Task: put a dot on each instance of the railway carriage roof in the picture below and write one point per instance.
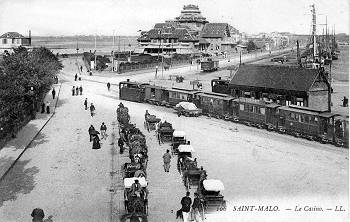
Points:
(215, 95)
(186, 148)
(275, 77)
(129, 181)
(291, 109)
(213, 185)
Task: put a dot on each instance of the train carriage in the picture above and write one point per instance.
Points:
(177, 95)
(132, 91)
(156, 95)
(216, 104)
(252, 112)
(301, 121)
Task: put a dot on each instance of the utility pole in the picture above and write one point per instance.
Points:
(160, 44)
(113, 52)
(95, 53)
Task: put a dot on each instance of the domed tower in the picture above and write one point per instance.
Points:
(192, 17)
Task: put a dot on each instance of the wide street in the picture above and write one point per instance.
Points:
(63, 175)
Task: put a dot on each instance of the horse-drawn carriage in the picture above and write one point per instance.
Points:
(136, 202)
(209, 192)
(151, 122)
(187, 109)
(123, 114)
(179, 137)
(184, 157)
(165, 132)
(133, 169)
(192, 174)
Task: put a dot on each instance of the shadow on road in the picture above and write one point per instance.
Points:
(21, 181)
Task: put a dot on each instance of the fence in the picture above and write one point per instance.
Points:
(129, 67)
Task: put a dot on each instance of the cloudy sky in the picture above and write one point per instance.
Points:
(76, 17)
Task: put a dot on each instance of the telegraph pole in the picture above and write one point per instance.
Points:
(113, 52)
(95, 53)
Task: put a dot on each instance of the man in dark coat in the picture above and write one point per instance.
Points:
(121, 145)
(81, 90)
(92, 109)
(108, 86)
(75, 77)
(77, 91)
(166, 160)
(91, 131)
(197, 208)
(186, 206)
(103, 130)
(73, 91)
(86, 103)
(53, 93)
(96, 142)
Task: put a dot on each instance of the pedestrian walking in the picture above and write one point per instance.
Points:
(121, 145)
(73, 91)
(48, 107)
(103, 130)
(166, 160)
(108, 86)
(345, 101)
(81, 90)
(92, 109)
(186, 206)
(81, 68)
(53, 93)
(197, 209)
(91, 132)
(75, 77)
(43, 108)
(96, 142)
(86, 104)
(77, 91)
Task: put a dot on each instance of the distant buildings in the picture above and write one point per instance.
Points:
(189, 33)
(11, 40)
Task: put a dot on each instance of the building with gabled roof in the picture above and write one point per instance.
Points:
(283, 85)
(10, 40)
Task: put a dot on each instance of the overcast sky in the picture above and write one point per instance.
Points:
(84, 17)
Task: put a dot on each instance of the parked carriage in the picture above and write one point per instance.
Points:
(187, 109)
(123, 116)
(164, 132)
(192, 174)
(129, 169)
(136, 204)
(179, 137)
(209, 192)
(184, 157)
(151, 122)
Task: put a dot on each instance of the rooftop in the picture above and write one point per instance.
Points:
(12, 35)
(275, 77)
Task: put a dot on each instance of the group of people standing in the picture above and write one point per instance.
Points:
(92, 107)
(194, 212)
(76, 90)
(93, 134)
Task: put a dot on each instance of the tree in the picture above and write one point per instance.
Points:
(251, 46)
(24, 76)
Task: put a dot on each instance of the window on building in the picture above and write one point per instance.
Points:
(13, 41)
(262, 110)
(4, 41)
(241, 107)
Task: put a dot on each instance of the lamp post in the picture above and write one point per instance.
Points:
(160, 44)
(33, 97)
